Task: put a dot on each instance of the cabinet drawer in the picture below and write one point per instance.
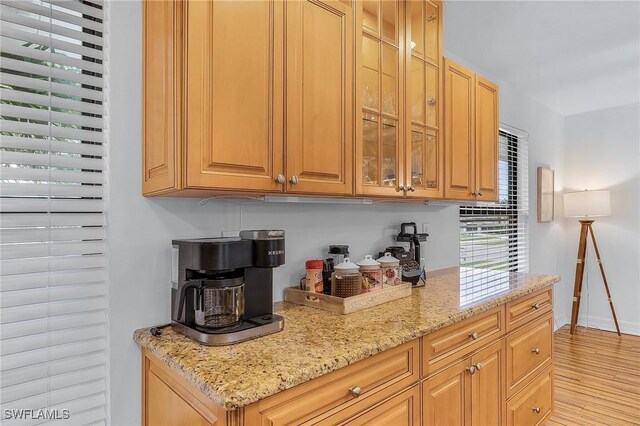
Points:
(528, 308)
(534, 404)
(528, 353)
(377, 377)
(447, 344)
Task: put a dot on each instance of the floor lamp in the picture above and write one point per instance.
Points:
(586, 205)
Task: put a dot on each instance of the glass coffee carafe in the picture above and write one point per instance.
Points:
(220, 302)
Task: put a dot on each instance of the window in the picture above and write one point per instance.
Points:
(495, 235)
(53, 304)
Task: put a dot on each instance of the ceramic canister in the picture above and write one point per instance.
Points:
(391, 273)
(371, 274)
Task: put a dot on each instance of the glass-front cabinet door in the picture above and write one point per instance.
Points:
(379, 97)
(423, 142)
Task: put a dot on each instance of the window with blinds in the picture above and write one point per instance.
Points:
(495, 235)
(53, 305)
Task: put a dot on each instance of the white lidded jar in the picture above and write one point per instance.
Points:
(346, 280)
(371, 274)
(390, 269)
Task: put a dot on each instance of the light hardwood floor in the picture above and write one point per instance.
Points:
(597, 378)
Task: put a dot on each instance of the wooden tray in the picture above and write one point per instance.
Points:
(347, 305)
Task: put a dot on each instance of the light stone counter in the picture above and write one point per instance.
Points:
(316, 342)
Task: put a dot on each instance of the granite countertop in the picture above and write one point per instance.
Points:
(316, 342)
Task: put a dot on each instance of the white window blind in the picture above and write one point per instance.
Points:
(53, 305)
(496, 235)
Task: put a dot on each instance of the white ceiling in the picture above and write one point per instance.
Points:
(573, 56)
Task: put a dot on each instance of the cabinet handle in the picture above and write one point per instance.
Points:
(536, 306)
(412, 188)
(355, 391)
(536, 410)
(280, 179)
(471, 370)
(294, 180)
(478, 366)
(431, 101)
(536, 351)
(474, 335)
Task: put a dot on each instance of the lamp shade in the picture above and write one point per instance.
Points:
(587, 203)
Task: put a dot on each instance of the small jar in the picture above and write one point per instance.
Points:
(371, 274)
(346, 280)
(391, 273)
(313, 280)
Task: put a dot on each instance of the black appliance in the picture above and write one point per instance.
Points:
(222, 287)
(409, 254)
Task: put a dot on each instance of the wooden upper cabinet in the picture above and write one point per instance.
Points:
(423, 132)
(319, 87)
(234, 99)
(459, 131)
(379, 97)
(161, 97)
(471, 135)
(486, 139)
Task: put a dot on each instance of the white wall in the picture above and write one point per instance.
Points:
(602, 151)
(140, 229)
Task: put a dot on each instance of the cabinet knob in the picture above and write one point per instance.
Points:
(431, 101)
(412, 188)
(480, 193)
(474, 193)
(536, 306)
(431, 18)
(404, 188)
(478, 366)
(280, 179)
(536, 410)
(474, 335)
(471, 370)
(536, 351)
(355, 391)
(294, 180)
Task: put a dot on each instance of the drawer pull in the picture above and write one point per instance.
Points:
(355, 391)
(536, 306)
(474, 335)
(471, 370)
(536, 351)
(536, 410)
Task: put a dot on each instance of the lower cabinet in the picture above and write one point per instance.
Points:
(473, 380)
(468, 392)
(401, 409)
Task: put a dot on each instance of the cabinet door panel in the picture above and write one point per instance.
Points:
(379, 83)
(401, 410)
(161, 96)
(487, 386)
(424, 153)
(446, 396)
(234, 95)
(319, 141)
(459, 131)
(486, 139)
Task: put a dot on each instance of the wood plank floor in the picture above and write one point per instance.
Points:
(597, 378)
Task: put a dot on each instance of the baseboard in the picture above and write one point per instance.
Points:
(601, 323)
(559, 320)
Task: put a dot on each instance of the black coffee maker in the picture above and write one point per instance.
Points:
(222, 287)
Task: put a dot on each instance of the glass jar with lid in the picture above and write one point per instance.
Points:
(391, 273)
(346, 280)
(371, 274)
